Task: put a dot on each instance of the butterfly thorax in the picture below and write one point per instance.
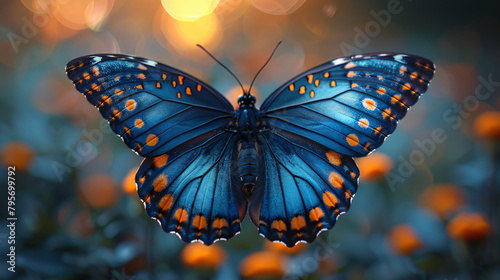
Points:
(247, 124)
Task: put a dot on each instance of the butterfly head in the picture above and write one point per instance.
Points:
(246, 100)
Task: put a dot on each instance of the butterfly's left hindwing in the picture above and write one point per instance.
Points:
(152, 107)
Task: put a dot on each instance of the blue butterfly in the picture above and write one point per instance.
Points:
(289, 164)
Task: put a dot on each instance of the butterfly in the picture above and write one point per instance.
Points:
(289, 164)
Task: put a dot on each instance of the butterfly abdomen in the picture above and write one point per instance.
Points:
(248, 160)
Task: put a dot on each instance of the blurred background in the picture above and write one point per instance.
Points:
(427, 205)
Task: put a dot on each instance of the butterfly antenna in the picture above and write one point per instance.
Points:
(269, 59)
(201, 47)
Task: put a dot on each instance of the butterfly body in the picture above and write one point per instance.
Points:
(288, 164)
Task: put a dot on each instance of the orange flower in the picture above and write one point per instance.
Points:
(487, 125)
(17, 154)
(99, 190)
(268, 264)
(128, 184)
(374, 166)
(280, 248)
(443, 199)
(468, 227)
(200, 255)
(403, 240)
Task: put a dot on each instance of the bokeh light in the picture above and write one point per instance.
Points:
(189, 10)
(277, 7)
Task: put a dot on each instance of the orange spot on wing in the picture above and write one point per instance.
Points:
(352, 139)
(407, 86)
(351, 74)
(166, 202)
(118, 91)
(106, 99)
(95, 87)
(200, 222)
(160, 161)
(316, 83)
(316, 214)
(333, 83)
(387, 113)
(188, 91)
(377, 130)
(403, 70)
(366, 146)
(95, 70)
(158, 85)
(381, 90)
(181, 80)
(181, 216)
(138, 123)
(198, 87)
(127, 130)
(139, 86)
(291, 87)
(353, 85)
(350, 65)
(141, 76)
(330, 199)
(117, 78)
(139, 147)
(219, 223)
(142, 179)
(326, 75)
(336, 180)
(311, 93)
(310, 78)
(369, 104)
(363, 123)
(86, 76)
(151, 140)
(414, 75)
(163, 76)
(279, 225)
(142, 67)
(302, 90)
(298, 223)
(160, 183)
(178, 95)
(174, 83)
(116, 114)
(333, 157)
(130, 105)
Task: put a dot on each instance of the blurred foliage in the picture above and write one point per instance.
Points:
(427, 206)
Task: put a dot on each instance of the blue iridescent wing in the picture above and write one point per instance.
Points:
(179, 124)
(349, 105)
(315, 123)
(151, 106)
(303, 189)
(189, 190)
